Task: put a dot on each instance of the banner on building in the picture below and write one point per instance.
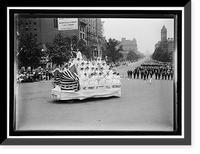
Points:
(67, 23)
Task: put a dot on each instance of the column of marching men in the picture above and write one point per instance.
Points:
(155, 71)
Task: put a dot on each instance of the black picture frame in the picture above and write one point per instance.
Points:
(182, 135)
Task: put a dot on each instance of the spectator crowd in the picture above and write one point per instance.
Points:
(34, 75)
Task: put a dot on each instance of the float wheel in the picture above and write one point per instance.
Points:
(70, 101)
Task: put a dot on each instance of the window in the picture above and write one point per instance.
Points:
(26, 28)
(35, 28)
(80, 35)
(55, 22)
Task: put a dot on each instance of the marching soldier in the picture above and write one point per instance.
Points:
(131, 73)
(159, 75)
(138, 74)
(172, 75)
(163, 75)
(156, 75)
(134, 74)
(142, 73)
(128, 73)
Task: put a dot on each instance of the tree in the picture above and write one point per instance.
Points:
(160, 55)
(132, 56)
(74, 42)
(112, 53)
(30, 52)
(59, 50)
(68, 43)
(84, 49)
(157, 53)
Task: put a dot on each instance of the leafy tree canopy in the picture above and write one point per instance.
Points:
(29, 53)
(132, 56)
(59, 50)
(111, 52)
(160, 55)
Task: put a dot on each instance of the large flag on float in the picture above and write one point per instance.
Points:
(73, 69)
(57, 76)
(69, 80)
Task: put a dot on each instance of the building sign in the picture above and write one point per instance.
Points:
(67, 23)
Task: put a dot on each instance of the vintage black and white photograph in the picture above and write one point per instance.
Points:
(99, 74)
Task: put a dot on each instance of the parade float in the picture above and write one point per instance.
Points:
(81, 79)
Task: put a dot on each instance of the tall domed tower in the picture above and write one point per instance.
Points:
(163, 34)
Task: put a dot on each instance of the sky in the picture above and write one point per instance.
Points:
(147, 32)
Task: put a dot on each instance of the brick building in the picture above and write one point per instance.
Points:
(128, 45)
(45, 29)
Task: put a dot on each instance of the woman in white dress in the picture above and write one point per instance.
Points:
(92, 80)
(96, 79)
(81, 76)
(87, 71)
(116, 78)
(85, 80)
(92, 70)
(101, 79)
(96, 70)
(108, 78)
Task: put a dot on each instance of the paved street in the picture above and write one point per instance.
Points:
(142, 106)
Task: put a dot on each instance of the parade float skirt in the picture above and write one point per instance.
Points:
(91, 91)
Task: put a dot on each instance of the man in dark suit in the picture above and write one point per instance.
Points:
(159, 75)
(138, 74)
(172, 74)
(128, 73)
(156, 74)
(134, 74)
(131, 73)
(142, 74)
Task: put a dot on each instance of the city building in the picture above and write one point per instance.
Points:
(170, 44)
(163, 34)
(94, 35)
(30, 26)
(147, 53)
(167, 45)
(128, 45)
(45, 30)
